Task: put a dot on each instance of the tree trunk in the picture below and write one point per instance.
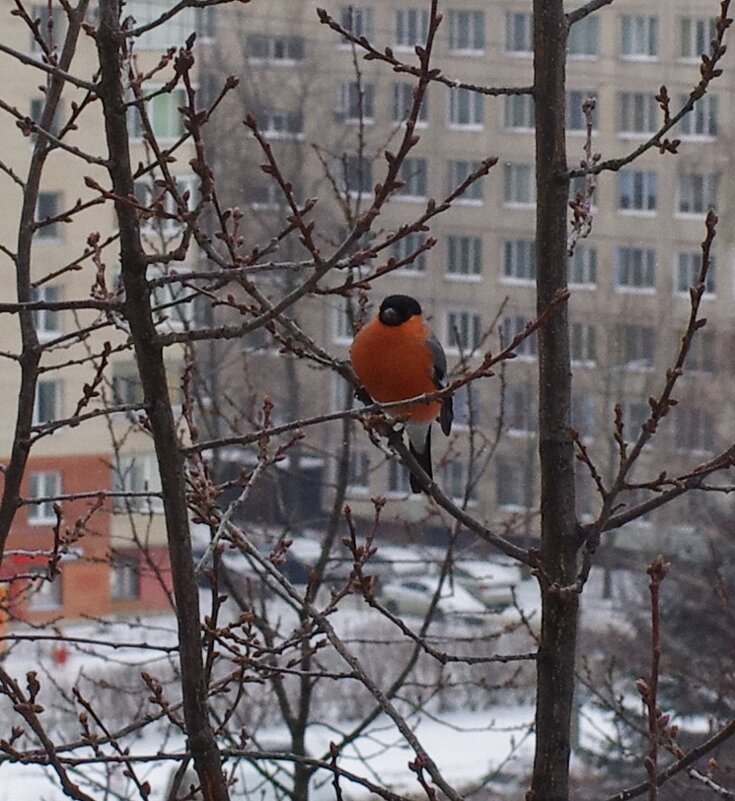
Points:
(149, 357)
(559, 540)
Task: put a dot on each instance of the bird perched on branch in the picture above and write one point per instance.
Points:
(396, 357)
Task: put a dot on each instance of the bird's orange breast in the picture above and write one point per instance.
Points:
(394, 363)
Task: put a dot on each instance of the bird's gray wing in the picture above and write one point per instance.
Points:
(446, 415)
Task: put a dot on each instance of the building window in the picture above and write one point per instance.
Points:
(398, 478)
(513, 325)
(463, 331)
(512, 484)
(47, 406)
(637, 113)
(467, 411)
(280, 124)
(466, 32)
(637, 190)
(695, 35)
(413, 173)
(126, 386)
(518, 113)
(519, 411)
(519, 260)
(159, 208)
(412, 27)
(342, 329)
(638, 36)
(173, 303)
(466, 109)
(583, 344)
(45, 594)
(635, 346)
(518, 33)
(403, 102)
(358, 175)
(268, 49)
(464, 256)
(576, 120)
(404, 248)
(583, 40)
(356, 102)
(697, 193)
(701, 356)
(51, 27)
(46, 322)
(163, 115)
(125, 577)
(358, 20)
(583, 414)
(635, 415)
(358, 472)
(455, 479)
(47, 208)
(519, 185)
(264, 194)
(635, 268)
(702, 122)
(459, 171)
(37, 106)
(138, 473)
(174, 32)
(42, 487)
(583, 266)
(694, 429)
(688, 267)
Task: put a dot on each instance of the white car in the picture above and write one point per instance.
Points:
(490, 582)
(413, 596)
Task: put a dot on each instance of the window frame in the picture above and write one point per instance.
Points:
(646, 33)
(136, 130)
(691, 270)
(473, 20)
(120, 587)
(525, 113)
(516, 36)
(464, 258)
(687, 190)
(521, 273)
(414, 172)
(646, 267)
(47, 323)
(56, 386)
(470, 331)
(705, 117)
(647, 113)
(413, 23)
(637, 192)
(519, 185)
(587, 267)
(475, 110)
(42, 513)
(457, 171)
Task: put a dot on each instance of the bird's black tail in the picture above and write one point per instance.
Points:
(424, 459)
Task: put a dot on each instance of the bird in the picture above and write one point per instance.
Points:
(395, 356)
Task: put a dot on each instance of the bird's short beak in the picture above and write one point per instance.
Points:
(389, 316)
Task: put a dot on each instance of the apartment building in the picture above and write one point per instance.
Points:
(120, 564)
(326, 111)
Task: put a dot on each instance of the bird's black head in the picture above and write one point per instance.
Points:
(396, 309)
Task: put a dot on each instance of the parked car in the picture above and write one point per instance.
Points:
(413, 596)
(490, 582)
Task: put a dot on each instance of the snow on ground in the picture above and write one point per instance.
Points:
(465, 745)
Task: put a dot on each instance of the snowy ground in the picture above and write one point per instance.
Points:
(467, 746)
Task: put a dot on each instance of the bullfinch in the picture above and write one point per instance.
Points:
(395, 356)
